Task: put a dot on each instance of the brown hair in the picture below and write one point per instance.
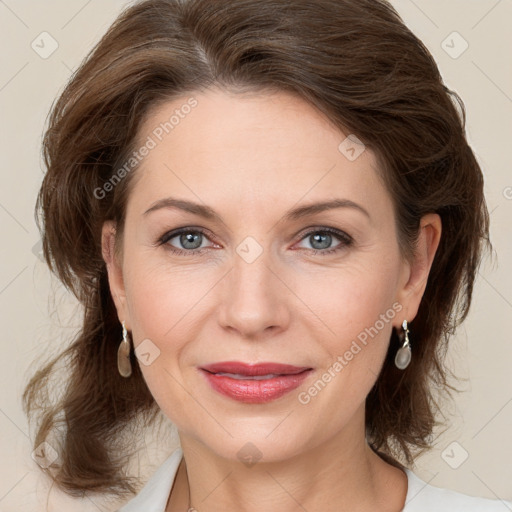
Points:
(359, 65)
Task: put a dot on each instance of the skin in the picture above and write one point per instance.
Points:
(252, 158)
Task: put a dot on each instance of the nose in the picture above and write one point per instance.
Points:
(254, 300)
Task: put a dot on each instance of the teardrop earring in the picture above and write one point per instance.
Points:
(404, 355)
(123, 355)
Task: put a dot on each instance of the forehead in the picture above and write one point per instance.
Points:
(251, 151)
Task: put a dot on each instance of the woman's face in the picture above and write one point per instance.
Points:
(256, 274)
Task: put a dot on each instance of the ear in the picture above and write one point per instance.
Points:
(115, 272)
(415, 274)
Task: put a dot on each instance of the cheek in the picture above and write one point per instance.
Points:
(163, 306)
(160, 296)
(357, 308)
(167, 307)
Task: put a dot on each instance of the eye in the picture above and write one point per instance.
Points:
(189, 240)
(322, 238)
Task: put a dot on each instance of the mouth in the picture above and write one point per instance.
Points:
(254, 383)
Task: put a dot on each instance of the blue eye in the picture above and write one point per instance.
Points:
(191, 240)
(323, 237)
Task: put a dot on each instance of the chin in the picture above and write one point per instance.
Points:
(252, 440)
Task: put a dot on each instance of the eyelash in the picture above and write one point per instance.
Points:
(346, 240)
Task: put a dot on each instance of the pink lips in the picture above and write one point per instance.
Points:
(254, 383)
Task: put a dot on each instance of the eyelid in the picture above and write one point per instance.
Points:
(325, 229)
(173, 233)
(345, 239)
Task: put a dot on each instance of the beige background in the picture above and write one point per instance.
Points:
(482, 352)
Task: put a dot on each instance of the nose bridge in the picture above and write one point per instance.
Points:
(253, 298)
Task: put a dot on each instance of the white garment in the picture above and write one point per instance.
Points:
(421, 497)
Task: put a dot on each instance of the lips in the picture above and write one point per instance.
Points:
(249, 370)
(254, 383)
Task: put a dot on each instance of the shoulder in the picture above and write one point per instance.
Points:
(154, 495)
(423, 497)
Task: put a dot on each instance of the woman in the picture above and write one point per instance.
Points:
(273, 219)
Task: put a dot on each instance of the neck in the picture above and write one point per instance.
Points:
(334, 476)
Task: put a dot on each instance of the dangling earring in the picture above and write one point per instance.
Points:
(403, 355)
(123, 355)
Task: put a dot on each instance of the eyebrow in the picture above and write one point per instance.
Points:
(294, 214)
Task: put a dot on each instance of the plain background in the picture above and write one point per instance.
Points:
(473, 456)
